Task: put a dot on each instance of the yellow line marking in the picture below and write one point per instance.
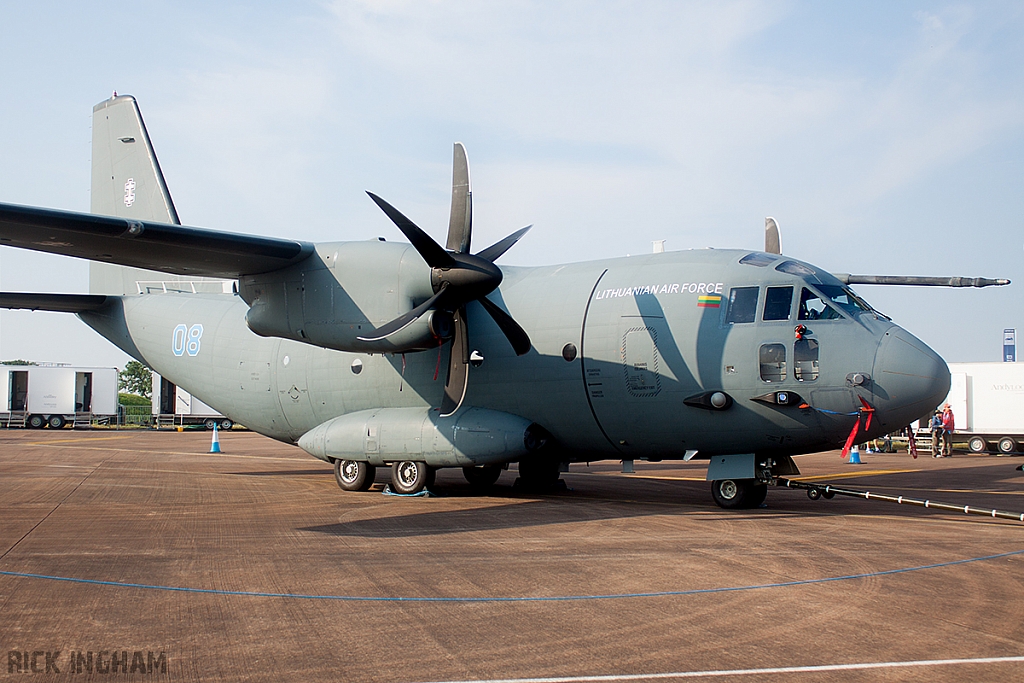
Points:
(851, 475)
(198, 455)
(80, 439)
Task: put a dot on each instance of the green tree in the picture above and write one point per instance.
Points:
(136, 379)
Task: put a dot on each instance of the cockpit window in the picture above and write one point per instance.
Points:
(778, 301)
(845, 298)
(813, 308)
(742, 305)
(758, 259)
(794, 268)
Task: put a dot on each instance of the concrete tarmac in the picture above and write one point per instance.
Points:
(253, 565)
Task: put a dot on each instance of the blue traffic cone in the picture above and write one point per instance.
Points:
(215, 444)
(854, 456)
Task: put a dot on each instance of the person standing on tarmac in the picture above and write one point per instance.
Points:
(947, 431)
(936, 427)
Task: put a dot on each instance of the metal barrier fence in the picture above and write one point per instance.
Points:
(141, 416)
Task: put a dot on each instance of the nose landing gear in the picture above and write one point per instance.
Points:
(738, 494)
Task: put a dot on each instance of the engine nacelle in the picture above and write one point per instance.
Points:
(472, 436)
(328, 301)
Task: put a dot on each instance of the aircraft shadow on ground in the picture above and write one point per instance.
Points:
(601, 499)
(531, 513)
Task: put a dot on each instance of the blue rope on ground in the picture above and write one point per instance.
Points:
(425, 493)
(561, 598)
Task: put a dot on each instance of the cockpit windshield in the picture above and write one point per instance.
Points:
(844, 298)
(812, 307)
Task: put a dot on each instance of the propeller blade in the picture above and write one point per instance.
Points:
(516, 335)
(458, 367)
(404, 320)
(431, 251)
(772, 239)
(848, 279)
(493, 252)
(460, 224)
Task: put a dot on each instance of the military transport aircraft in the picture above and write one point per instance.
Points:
(417, 356)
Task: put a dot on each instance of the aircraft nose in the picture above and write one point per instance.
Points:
(909, 379)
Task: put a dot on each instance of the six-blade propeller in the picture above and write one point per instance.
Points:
(457, 277)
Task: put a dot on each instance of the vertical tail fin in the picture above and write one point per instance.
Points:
(127, 182)
(126, 178)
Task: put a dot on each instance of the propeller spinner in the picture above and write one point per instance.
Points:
(457, 277)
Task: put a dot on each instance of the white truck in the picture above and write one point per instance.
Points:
(38, 396)
(173, 406)
(988, 405)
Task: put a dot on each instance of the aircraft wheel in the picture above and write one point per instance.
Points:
(828, 495)
(353, 475)
(738, 494)
(36, 421)
(210, 423)
(977, 445)
(410, 476)
(814, 494)
(226, 425)
(56, 422)
(1007, 445)
(482, 477)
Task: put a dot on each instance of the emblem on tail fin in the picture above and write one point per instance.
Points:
(129, 192)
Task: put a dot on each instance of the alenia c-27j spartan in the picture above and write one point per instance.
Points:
(417, 356)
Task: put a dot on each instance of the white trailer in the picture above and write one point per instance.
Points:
(172, 405)
(988, 405)
(53, 395)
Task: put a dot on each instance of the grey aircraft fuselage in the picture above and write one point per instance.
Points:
(618, 346)
(419, 356)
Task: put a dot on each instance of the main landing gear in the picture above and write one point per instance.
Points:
(353, 475)
(739, 494)
(411, 476)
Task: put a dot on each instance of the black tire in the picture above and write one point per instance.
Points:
(56, 422)
(977, 445)
(738, 494)
(482, 477)
(353, 475)
(756, 495)
(1007, 444)
(409, 476)
(226, 425)
(36, 421)
(814, 494)
(209, 423)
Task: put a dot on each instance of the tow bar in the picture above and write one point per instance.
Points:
(828, 491)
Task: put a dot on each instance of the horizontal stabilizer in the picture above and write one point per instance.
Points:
(848, 279)
(61, 303)
(144, 244)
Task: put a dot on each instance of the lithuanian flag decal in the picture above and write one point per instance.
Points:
(709, 300)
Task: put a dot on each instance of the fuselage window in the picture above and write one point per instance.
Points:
(777, 303)
(813, 308)
(805, 360)
(742, 305)
(773, 362)
(758, 259)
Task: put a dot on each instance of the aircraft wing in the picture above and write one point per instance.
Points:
(61, 303)
(144, 244)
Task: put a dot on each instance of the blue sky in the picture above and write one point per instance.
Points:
(886, 138)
